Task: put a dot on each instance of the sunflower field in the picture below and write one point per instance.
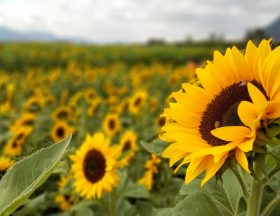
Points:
(99, 131)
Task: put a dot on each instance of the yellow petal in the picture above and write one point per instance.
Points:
(247, 145)
(197, 166)
(242, 159)
(273, 110)
(249, 114)
(211, 171)
(231, 133)
(257, 96)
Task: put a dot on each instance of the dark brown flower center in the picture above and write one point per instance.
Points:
(127, 146)
(62, 114)
(94, 166)
(222, 111)
(60, 132)
(138, 101)
(112, 124)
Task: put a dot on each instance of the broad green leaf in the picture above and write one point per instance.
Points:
(134, 190)
(198, 204)
(225, 194)
(27, 175)
(155, 147)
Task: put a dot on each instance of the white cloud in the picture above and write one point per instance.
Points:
(138, 20)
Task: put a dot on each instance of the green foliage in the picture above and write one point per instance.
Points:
(225, 194)
(155, 147)
(27, 175)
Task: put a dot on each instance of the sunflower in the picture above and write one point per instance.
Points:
(212, 122)
(151, 170)
(90, 94)
(128, 147)
(5, 163)
(62, 113)
(111, 124)
(16, 142)
(94, 167)
(60, 130)
(64, 202)
(137, 101)
(93, 107)
(27, 119)
(33, 104)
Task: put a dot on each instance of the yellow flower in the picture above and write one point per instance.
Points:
(27, 119)
(128, 147)
(151, 170)
(5, 163)
(94, 167)
(62, 113)
(16, 142)
(137, 101)
(111, 124)
(64, 202)
(60, 130)
(211, 122)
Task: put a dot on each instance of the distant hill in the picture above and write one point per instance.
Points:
(273, 30)
(11, 35)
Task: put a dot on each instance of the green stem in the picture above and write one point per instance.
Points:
(241, 182)
(255, 197)
(112, 207)
(270, 206)
(271, 174)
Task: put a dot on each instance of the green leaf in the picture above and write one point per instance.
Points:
(198, 204)
(274, 150)
(27, 175)
(155, 147)
(134, 190)
(225, 194)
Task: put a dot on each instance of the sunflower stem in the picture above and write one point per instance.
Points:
(255, 196)
(270, 206)
(271, 173)
(241, 182)
(112, 207)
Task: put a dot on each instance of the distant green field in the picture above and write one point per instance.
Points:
(19, 56)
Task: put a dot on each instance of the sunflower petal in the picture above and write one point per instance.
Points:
(231, 133)
(211, 171)
(242, 159)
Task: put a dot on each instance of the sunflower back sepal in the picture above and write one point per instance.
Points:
(155, 147)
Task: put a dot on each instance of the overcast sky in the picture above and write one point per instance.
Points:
(138, 20)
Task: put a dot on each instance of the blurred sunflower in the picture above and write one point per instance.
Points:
(210, 123)
(16, 142)
(137, 101)
(60, 130)
(64, 202)
(62, 113)
(33, 104)
(5, 163)
(94, 167)
(111, 124)
(93, 107)
(90, 94)
(128, 147)
(151, 170)
(27, 119)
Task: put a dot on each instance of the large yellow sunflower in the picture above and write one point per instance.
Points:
(94, 167)
(211, 122)
(128, 147)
